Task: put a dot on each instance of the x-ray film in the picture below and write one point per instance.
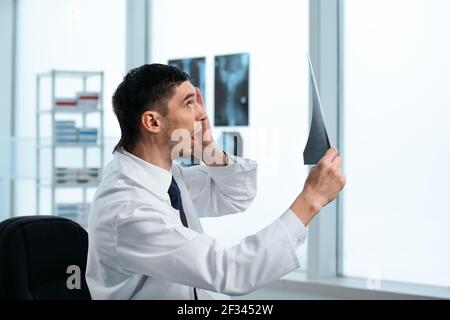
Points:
(195, 68)
(318, 141)
(231, 90)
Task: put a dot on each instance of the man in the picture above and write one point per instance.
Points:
(145, 236)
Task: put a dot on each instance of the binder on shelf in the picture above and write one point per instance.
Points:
(66, 103)
(84, 101)
(67, 133)
(74, 176)
(88, 100)
(87, 135)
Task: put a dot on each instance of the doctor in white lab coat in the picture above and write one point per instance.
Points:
(145, 243)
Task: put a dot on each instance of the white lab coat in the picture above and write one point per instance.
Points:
(139, 249)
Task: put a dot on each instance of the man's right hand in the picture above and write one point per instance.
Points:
(322, 186)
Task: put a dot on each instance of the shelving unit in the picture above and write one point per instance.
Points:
(52, 111)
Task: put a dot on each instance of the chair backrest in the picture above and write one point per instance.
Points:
(41, 257)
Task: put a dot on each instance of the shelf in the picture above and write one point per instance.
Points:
(77, 139)
(50, 111)
(71, 74)
(70, 145)
(70, 185)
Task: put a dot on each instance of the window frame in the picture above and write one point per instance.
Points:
(8, 37)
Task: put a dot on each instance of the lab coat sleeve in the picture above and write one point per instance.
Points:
(217, 191)
(157, 245)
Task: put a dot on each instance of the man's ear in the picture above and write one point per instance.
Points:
(150, 121)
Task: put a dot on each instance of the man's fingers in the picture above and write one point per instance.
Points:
(337, 162)
(330, 155)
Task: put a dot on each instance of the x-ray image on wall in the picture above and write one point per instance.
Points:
(195, 67)
(231, 90)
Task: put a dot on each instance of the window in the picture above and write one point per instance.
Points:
(275, 35)
(64, 35)
(6, 76)
(396, 209)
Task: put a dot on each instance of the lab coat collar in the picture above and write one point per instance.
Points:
(153, 178)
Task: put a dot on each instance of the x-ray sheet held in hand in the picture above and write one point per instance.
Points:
(318, 141)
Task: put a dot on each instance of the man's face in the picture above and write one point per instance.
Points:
(183, 111)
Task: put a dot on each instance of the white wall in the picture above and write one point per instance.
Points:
(275, 33)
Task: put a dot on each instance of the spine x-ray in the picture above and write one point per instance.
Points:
(231, 90)
(195, 68)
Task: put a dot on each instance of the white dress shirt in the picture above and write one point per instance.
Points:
(139, 249)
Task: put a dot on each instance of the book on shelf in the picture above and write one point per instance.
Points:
(65, 103)
(88, 100)
(73, 211)
(87, 135)
(81, 176)
(67, 133)
(84, 101)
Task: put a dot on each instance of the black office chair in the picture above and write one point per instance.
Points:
(35, 254)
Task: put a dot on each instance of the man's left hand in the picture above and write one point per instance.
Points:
(208, 151)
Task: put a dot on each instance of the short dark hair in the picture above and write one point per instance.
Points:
(148, 87)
